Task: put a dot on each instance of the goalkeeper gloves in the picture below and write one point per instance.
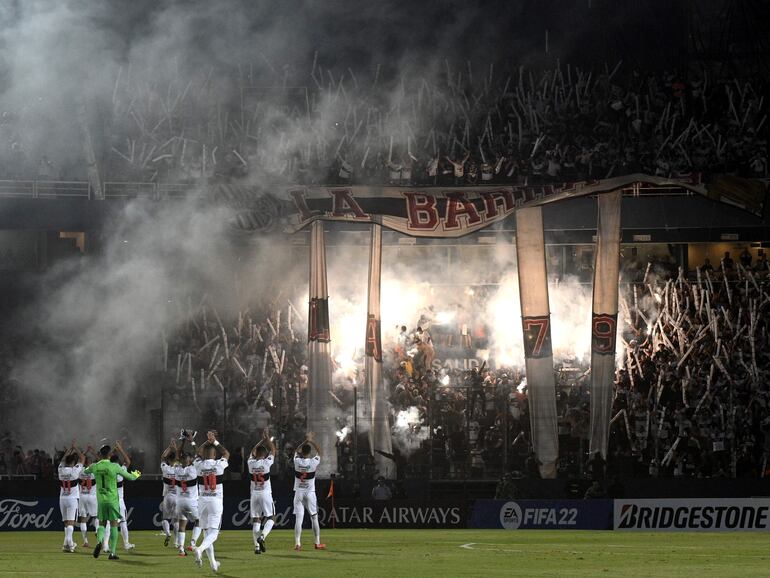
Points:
(137, 473)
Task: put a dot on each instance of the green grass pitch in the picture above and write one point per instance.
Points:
(410, 553)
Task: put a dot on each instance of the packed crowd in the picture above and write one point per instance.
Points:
(692, 396)
(38, 463)
(462, 125)
(244, 373)
(690, 400)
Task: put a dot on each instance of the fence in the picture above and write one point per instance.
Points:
(37, 189)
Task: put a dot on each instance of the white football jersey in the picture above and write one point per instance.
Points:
(169, 478)
(304, 473)
(119, 479)
(187, 481)
(87, 484)
(69, 480)
(259, 473)
(210, 472)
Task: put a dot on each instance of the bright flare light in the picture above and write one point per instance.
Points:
(445, 317)
(407, 417)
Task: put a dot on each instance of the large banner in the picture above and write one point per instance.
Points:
(27, 514)
(449, 211)
(380, 441)
(542, 514)
(604, 319)
(536, 323)
(696, 515)
(319, 401)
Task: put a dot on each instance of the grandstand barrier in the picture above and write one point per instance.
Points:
(683, 515)
(422, 489)
(543, 514)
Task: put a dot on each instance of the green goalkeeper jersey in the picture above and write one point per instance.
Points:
(106, 473)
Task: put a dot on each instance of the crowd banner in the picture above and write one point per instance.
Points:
(536, 322)
(693, 515)
(542, 514)
(35, 514)
(604, 318)
(450, 211)
(319, 399)
(381, 444)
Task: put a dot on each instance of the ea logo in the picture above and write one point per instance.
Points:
(510, 516)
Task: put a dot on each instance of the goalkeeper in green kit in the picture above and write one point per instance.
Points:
(107, 501)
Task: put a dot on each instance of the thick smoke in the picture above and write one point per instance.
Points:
(411, 286)
(133, 64)
(96, 329)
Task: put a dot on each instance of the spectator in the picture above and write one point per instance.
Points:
(596, 466)
(505, 490)
(595, 491)
(381, 491)
(727, 263)
(745, 258)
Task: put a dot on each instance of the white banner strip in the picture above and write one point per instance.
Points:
(536, 322)
(604, 318)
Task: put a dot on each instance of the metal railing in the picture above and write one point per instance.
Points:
(38, 189)
(56, 189)
(47, 189)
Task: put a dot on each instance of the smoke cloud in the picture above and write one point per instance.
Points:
(95, 326)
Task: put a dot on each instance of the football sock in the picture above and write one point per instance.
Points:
(124, 531)
(298, 526)
(208, 539)
(266, 530)
(164, 524)
(84, 531)
(255, 531)
(316, 528)
(113, 540)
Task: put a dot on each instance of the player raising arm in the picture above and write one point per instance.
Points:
(168, 463)
(210, 472)
(107, 499)
(305, 466)
(187, 499)
(87, 505)
(69, 472)
(120, 455)
(262, 510)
